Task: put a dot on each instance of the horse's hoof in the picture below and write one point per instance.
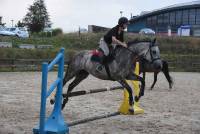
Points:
(136, 98)
(52, 101)
(65, 100)
(131, 110)
(63, 106)
(141, 94)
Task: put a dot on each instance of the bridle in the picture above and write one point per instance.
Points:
(145, 55)
(150, 51)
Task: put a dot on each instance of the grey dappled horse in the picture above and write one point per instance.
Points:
(145, 66)
(121, 68)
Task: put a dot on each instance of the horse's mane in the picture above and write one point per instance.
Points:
(135, 41)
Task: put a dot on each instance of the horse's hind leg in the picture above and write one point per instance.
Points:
(165, 70)
(131, 99)
(81, 75)
(70, 73)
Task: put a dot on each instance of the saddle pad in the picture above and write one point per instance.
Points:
(96, 55)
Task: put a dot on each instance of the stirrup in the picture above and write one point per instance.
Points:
(99, 68)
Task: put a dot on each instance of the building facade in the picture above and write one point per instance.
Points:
(171, 17)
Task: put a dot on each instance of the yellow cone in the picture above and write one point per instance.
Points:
(124, 108)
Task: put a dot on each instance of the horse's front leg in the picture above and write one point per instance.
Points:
(135, 77)
(155, 80)
(131, 98)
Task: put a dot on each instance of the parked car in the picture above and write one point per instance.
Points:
(19, 31)
(4, 32)
(147, 31)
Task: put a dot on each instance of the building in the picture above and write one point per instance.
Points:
(170, 18)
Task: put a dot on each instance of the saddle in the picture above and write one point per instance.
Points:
(98, 56)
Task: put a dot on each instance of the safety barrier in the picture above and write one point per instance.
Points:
(55, 122)
(77, 122)
(92, 91)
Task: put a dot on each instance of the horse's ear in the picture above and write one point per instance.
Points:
(154, 41)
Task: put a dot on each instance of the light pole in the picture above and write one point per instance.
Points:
(121, 12)
(12, 22)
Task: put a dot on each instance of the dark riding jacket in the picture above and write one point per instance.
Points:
(114, 32)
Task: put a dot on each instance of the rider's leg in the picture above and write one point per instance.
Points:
(104, 48)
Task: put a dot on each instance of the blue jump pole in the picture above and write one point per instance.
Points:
(55, 123)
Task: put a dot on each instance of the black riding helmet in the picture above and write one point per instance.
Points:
(122, 20)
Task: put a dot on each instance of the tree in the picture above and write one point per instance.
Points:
(37, 17)
(19, 24)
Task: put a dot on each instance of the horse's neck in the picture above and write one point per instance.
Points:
(124, 57)
(139, 48)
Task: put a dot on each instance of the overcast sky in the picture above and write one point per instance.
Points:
(70, 14)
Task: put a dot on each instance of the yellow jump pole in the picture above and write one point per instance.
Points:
(124, 108)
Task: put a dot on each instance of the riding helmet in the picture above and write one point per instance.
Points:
(122, 20)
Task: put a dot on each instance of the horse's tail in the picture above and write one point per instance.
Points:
(67, 72)
(165, 70)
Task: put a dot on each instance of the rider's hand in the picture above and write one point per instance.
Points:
(124, 45)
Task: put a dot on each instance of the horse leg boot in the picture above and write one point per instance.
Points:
(135, 77)
(131, 99)
(79, 77)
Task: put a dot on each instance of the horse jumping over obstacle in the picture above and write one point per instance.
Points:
(145, 66)
(55, 122)
(80, 66)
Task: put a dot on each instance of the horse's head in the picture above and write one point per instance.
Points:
(147, 51)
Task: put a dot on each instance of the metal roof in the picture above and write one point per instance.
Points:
(192, 4)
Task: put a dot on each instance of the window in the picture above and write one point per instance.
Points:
(198, 16)
(172, 18)
(160, 19)
(192, 14)
(178, 17)
(149, 21)
(166, 18)
(154, 20)
(185, 17)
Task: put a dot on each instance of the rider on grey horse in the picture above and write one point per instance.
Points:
(113, 37)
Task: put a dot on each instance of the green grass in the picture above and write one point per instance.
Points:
(72, 43)
(180, 52)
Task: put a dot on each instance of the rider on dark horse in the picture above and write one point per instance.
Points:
(113, 37)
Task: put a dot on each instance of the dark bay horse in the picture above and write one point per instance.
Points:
(145, 66)
(121, 68)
